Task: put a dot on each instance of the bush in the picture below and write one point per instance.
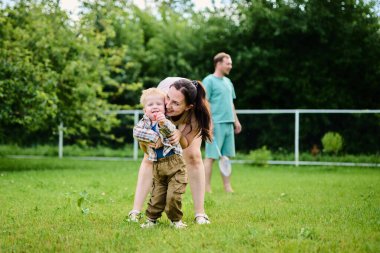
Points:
(260, 156)
(332, 142)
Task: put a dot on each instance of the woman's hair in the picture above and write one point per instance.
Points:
(195, 94)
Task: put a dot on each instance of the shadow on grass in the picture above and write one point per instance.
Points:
(40, 164)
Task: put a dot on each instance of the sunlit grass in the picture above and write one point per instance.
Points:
(50, 205)
(127, 152)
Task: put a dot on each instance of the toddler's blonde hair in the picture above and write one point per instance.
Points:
(150, 92)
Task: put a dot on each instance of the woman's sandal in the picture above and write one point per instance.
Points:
(202, 219)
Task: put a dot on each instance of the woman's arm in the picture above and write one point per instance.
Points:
(176, 137)
(183, 142)
(188, 135)
(184, 137)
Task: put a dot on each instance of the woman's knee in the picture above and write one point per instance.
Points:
(146, 163)
(193, 158)
(146, 168)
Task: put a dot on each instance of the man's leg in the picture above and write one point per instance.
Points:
(212, 153)
(228, 149)
(227, 183)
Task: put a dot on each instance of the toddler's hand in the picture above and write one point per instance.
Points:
(160, 117)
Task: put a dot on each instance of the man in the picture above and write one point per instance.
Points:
(220, 94)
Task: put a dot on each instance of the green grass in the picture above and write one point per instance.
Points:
(274, 209)
(127, 151)
(373, 158)
(68, 150)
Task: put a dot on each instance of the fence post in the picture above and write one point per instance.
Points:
(296, 137)
(60, 140)
(135, 144)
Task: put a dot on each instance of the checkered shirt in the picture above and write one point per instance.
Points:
(143, 132)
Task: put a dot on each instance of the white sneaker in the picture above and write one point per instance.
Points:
(178, 224)
(148, 224)
(201, 219)
(134, 216)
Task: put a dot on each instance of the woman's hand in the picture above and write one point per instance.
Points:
(175, 137)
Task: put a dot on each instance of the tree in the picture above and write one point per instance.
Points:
(114, 28)
(48, 74)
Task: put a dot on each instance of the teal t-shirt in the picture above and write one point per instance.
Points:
(220, 93)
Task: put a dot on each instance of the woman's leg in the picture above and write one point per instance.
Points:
(144, 183)
(208, 172)
(196, 173)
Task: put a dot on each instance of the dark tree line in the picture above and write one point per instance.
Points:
(286, 55)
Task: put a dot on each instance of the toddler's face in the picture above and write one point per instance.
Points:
(153, 105)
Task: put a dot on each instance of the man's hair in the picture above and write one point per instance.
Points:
(219, 57)
(150, 92)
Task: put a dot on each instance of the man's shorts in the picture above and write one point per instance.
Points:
(223, 136)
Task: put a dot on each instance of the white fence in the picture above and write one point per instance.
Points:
(297, 114)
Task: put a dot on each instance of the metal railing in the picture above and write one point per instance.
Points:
(297, 113)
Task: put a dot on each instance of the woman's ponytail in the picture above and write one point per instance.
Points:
(202, 112)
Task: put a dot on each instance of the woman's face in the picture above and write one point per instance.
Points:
(175, 103)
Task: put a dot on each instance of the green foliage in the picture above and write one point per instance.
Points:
(332, 142)
(284, 48)
(306, 233)
(286, 54)
(83, 201)
(306, 54)
(114, 29)
(48, 74)
(28, 82)
(170, 46)
(260, 156)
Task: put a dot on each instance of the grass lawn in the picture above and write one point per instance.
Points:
(51, 205)
(70, 151)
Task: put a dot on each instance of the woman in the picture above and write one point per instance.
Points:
(187, 107)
